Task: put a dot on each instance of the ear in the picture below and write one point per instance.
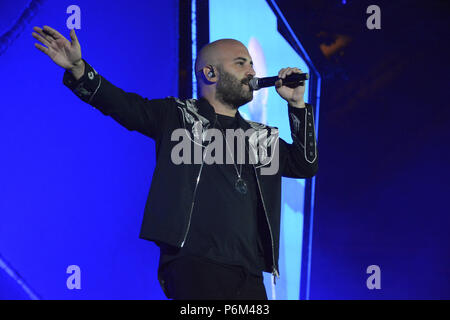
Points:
(209, 74)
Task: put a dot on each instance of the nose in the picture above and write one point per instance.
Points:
(251, 71)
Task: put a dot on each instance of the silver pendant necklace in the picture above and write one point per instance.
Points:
(240, 185)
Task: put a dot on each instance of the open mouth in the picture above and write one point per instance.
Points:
(246, 81)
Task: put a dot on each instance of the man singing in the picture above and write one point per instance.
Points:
(217, 223)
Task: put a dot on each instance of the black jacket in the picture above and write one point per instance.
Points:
(172, 194)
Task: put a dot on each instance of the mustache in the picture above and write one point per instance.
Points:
(246, 80)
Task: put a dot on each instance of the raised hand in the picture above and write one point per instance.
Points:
(292, 95)
(64, 53)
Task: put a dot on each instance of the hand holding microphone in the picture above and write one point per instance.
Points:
(292, 80)
(289, 84)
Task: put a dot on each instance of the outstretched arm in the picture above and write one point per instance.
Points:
(129, 109)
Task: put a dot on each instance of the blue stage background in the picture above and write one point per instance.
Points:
(74, 182)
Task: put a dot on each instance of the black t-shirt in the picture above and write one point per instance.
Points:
(225, 223)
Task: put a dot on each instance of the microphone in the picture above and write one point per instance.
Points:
(293, 80)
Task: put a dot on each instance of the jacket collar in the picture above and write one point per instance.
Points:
(207, 110)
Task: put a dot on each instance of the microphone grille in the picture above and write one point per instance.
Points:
(253, 83)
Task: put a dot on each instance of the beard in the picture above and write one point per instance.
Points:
(232, 91)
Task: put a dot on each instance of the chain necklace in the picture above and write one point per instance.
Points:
(240, 185)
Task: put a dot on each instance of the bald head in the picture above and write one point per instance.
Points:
(217, 52)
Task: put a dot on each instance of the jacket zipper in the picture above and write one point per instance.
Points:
(193, 196)
(274, 268)
(192, 205)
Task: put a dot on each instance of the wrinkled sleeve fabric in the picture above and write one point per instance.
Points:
(299, 159)
(132, 111)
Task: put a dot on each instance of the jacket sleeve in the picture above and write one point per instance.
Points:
(299, 159)
(129, 109)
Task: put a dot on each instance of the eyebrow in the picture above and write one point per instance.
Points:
(242, 58)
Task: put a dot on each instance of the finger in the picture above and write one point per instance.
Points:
(280, 73)
(41, 48)
(73, 36)
(55, 34)
(279, 83)
(289, 71)
(284, 72)
(44, 35)
(40, 39)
